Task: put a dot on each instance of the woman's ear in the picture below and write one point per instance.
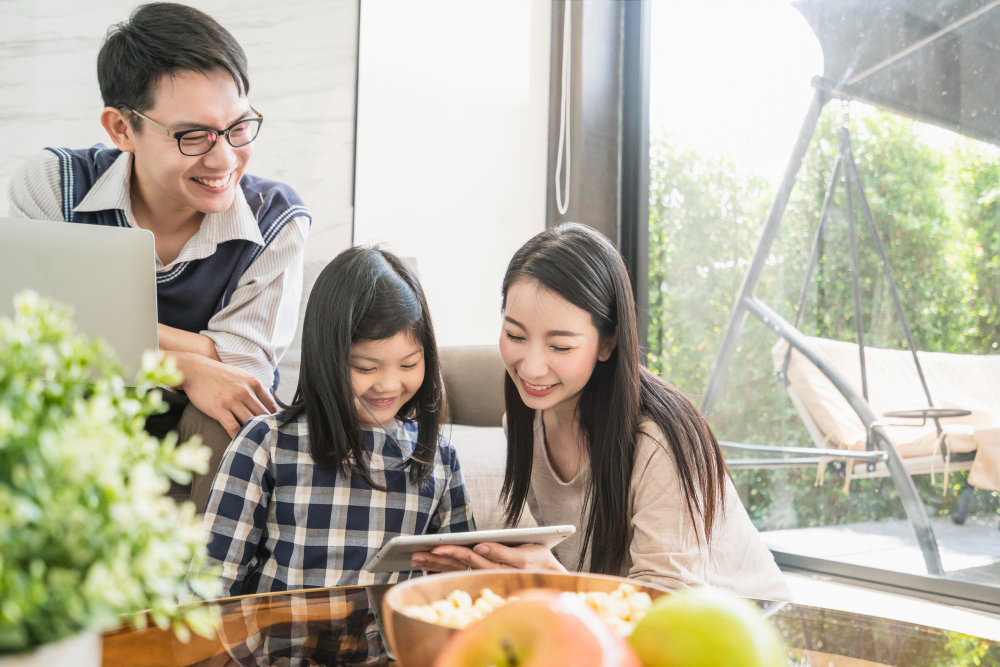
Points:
(119, 129)
(606, 348)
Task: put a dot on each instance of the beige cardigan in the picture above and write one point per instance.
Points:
(665, 547)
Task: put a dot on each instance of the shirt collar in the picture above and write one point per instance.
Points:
(111, 191)
(236, 222)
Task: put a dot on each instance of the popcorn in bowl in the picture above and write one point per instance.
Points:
(621, 609)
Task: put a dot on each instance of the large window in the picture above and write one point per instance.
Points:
(730, 85)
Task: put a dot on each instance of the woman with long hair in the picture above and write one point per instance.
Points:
(596, 440)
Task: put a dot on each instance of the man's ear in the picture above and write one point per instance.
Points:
(118, 129)
(606, 348)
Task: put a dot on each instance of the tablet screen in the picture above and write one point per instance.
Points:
(395, 554)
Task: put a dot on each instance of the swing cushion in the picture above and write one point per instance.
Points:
(969, 382)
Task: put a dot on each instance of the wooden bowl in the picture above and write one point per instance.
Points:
(416, 643)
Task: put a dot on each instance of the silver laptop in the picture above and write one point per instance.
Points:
(106, 274)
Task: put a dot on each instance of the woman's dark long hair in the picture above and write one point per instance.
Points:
(580, 265)
(363, 294)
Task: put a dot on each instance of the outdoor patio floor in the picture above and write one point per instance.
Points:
(970, 552)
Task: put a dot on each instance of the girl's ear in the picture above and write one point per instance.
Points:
(606, 348)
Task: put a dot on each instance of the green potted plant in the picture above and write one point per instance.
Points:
(87, 532)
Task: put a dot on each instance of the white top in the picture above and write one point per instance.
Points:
(665, 546)
(255, 328)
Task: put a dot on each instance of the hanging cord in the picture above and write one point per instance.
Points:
(848, 476)
(564, 138)
(942, 443)
(823, 461)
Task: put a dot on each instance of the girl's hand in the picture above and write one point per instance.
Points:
(488, 556)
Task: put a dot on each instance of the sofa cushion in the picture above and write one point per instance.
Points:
(482, 453)
(473, 380)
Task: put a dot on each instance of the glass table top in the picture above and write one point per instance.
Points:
(338, 626)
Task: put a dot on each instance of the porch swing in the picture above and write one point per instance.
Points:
(877, 412)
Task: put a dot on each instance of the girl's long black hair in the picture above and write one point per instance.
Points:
(363, 294)
(583, 267)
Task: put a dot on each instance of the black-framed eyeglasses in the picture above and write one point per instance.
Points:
(199, 141)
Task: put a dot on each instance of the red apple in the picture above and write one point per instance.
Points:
(543, 627)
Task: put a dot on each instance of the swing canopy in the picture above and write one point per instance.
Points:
(937, 61)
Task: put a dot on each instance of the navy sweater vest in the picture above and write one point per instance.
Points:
(190, 293)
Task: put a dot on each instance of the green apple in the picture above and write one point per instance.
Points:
(541, 628)
(706, 627)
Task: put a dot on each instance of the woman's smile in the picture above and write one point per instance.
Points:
(538, 389)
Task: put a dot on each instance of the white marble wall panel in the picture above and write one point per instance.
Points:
(453, 113)
(302, 56)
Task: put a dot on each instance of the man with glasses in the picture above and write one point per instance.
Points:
(229, 245)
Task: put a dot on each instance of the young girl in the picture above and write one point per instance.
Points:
(596, 440)
(306, 497)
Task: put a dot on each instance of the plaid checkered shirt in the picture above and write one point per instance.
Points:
(280, 522)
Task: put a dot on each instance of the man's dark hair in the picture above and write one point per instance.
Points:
(162, 39)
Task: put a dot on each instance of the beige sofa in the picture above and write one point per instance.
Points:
(473, 378)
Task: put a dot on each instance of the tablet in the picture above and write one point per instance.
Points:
(395, 554)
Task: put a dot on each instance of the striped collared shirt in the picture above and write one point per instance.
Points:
(277, 521)
(258, 323)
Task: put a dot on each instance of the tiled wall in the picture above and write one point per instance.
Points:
(302, 54)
